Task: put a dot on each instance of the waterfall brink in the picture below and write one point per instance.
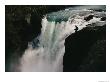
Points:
(45, 53)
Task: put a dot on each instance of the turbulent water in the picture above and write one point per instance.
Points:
(45, 53)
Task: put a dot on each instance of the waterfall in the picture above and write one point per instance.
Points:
(45, 53)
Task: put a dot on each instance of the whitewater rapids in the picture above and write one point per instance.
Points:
(47, 51)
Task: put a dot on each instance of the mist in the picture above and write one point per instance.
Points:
(46, 53)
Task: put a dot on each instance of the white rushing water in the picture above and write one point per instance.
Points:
(48, 55)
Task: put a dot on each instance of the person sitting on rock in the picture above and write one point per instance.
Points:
(76, 29)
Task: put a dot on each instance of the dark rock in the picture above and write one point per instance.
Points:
(103, 18)
(89, 17)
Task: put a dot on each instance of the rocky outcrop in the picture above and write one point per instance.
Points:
(86, 50)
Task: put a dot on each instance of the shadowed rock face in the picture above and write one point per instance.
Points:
(86, 50)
